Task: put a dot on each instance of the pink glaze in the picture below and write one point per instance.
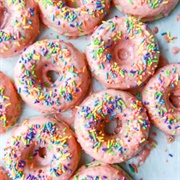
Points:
(70, 21)
(45, 149)
(151, 144)
(175, 50)
(19, 26)
(155, 30)
(178, 17)
(118, 51)
(36, 88)
(97, 170)
(3, 174)
(146, 10)
(10, 104)
(138, 90)
(131, 133)
(156, 98)
(68, 117)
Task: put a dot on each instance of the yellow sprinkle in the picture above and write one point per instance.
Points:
(6, 97)
(8, 104)
(36, 57)
(142, 140)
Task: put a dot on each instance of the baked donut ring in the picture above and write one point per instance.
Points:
(10, 103)
(146, 10)
(156, 98)
(98, 170)
(41, 92)
(130, 134)
(41, 148)
(73, 21)
(19, 26)
(122, 53)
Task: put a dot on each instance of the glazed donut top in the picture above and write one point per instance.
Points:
(100, 171)
(71, 21)
(156, 98)
(34, 85)
(148, 10)
(41, 148)
(122, 53)
(10, 104)
(128, 137)
(19, 25)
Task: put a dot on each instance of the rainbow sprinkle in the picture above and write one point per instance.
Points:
(156, 95)
(41, 58)
(92, 116)
(20, 160)
(73, 21)
(10, 104)
(101, 53)
(14, 36)
(152, 3)
(99, 171)
(3, 98)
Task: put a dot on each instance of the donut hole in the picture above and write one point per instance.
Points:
(42, 152)
(123, 54)
(174, 99)
(73, 3)
(3, 16)
(111, 127)
(52, 76)
(124, 51)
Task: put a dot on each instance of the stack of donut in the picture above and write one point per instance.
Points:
(122, 54)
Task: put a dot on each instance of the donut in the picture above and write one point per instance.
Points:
(73, 19)
(156, 98)
(34, 84)
(41, 148)
(97, 170)
(146, 10)
(10, 104)
(122, 53)
(129, 135)
(19, 26)
(3, 174)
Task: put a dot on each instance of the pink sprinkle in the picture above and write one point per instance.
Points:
(175, 50)
(155, 30)
(178, 17)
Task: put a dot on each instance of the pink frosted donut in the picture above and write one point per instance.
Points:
(130, 134)
(156, 98)
(19, 26)
(100, 171)
(146, 10)
(122, 53)
(3, 174)
(73, 20)
(10, 104)
(34, 84)
(41, 148)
